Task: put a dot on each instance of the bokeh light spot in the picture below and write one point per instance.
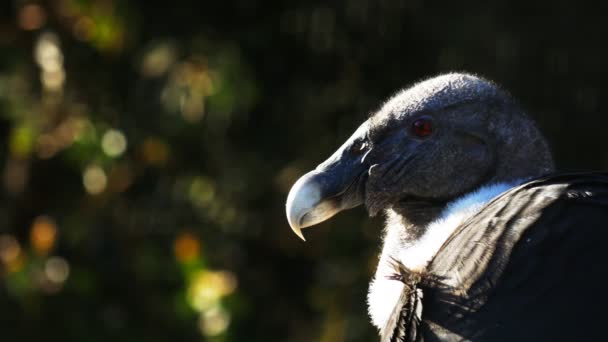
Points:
(9, 248)
(208, 287)
(57, 270)
(46, 146)
(158, 59)
(154, 151)
(202, 191)
(84, 29)
(190, 84)
(94, 180)
(43, 234)
(84, 130)
(113, 143)
(53, 80)
(21, 141)
(186, 247)
(50, 59)
(214, 321)
(31, 17)
(48, 54)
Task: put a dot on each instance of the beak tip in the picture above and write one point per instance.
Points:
(306, 205)
(295, 225)
(301, 199)
(298, 232)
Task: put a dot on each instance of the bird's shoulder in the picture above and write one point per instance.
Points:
(524, 259)
(537, 209)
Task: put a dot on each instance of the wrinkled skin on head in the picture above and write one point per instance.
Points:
(456, 158)
(479, 135)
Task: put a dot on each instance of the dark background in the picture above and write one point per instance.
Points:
(147, 149)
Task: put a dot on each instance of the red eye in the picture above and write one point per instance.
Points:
(422, 128)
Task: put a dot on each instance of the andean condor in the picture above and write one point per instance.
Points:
(483, 241)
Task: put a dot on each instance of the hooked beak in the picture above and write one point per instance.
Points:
(336, 184)
(324, 192)
(307, 204)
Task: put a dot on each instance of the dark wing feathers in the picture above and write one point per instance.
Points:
(406, 316)
(532, 265)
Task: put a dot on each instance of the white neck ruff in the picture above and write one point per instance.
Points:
(384, 293)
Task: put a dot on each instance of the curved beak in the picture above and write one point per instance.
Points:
(308, 202)
(335, 185)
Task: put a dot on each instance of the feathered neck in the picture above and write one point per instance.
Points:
(414, 246)
(417, 251)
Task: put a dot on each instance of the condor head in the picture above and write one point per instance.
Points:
(427, 145)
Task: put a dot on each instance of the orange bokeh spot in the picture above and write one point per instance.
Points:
(154, 151)
(10, 253)
(186, 247)
(31, 17)
(43, 234)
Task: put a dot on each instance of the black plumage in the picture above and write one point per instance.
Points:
(484, 241)
(540, 268)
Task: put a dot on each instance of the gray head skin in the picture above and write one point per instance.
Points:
(479, 136)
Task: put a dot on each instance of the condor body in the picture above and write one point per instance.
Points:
(484, 241)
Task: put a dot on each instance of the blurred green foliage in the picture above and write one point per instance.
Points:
(147, 149)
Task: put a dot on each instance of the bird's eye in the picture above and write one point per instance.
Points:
(422, 128)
